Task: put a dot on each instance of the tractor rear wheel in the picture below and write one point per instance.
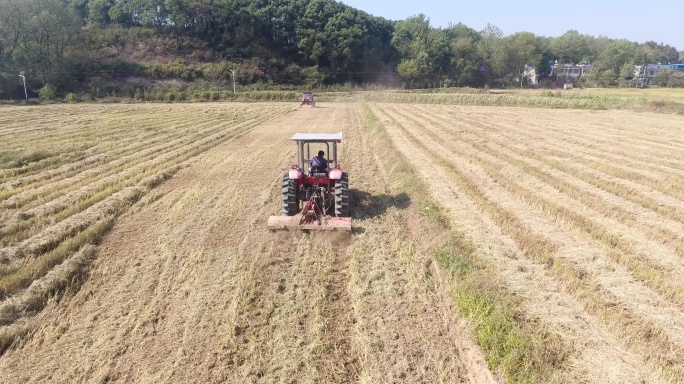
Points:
(342, 196)
(289, 196)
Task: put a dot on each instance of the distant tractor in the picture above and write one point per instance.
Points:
(314, 198)
(308, 99)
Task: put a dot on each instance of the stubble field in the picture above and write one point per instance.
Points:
(492, 244)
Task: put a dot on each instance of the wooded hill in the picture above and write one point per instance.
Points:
(104, 47)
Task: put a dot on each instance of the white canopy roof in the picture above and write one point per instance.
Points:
(322, 137)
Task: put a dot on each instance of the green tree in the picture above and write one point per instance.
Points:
(423, 48)
(43, 37)
(315, 42)
(79, 6)
(411, 35)
(493, 52)
(652, 52)
(12, 18)
(521, 49)
(669, 78)
(627, 70)
(614, 58)
(571, 47)
(98, 11)
(465, 58)
(597, 47)
(48, 92)
(410, 71)
(542, 67)
(676, 80)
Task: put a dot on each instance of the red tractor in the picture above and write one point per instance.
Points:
(314, 198)
(308, 99)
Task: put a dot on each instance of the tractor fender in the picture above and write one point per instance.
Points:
(335, 174)
(295, 174)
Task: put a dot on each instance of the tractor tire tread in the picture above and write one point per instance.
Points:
(290, 204)
(342, 206)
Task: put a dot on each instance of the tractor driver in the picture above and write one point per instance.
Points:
(319, 163)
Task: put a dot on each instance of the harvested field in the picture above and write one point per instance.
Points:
(491, 244)
(581, 214)
(66, 177)
(190, 286)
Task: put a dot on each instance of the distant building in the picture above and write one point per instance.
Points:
(531, 74)
(644, 74)
(568, 71)
(564, 72)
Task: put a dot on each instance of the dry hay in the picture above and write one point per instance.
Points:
(491, 244)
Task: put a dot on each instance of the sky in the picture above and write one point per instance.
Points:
(640, 21)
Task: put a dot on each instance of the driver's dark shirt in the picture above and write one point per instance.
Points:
(319, 162)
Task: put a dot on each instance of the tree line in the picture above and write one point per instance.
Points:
(96, 45)
(459, 55)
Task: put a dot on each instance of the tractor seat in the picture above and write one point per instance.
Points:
(317, 172)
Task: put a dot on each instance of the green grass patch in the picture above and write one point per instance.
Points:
(204, 94)
(518, 347)
(505, 100)
(664, 106)
(24, 276)
(20, 159)
(24, 229)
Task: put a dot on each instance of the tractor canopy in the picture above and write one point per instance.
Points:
(318, 137)
(304, 141)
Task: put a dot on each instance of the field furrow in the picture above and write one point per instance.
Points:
(111, 131)
(489, 244)
(578, 175)
(67, 143)
(545, 298)
(620, 215)
(613, 177)
(562, 129)
(648, 132)
(664, 276)
(541, 239)
(74, 223)
(171, 130)
(190, 286)
(158, 164)
(51, 205)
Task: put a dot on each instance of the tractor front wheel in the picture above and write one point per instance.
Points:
(342, 196)
(289, 196)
